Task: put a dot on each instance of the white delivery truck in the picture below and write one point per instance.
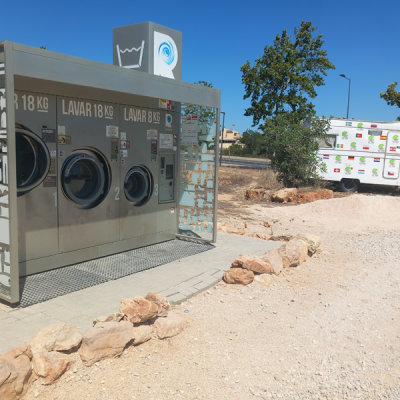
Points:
(357, 152)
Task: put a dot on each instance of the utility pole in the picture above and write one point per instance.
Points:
(348, 100)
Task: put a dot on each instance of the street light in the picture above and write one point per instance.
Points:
(348, 101)
(222, 138)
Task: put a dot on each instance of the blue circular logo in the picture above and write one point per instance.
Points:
(166, 52)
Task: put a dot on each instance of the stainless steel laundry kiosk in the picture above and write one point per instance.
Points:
(97, 159)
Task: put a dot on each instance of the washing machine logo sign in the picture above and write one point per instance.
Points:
(165, 55)
(168, 120)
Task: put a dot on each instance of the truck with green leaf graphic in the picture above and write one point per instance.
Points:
(361, 151)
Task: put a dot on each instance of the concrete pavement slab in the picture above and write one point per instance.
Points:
(177, 280)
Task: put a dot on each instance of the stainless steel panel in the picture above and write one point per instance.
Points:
(37, 209)
(51, 66)
(90, 253)
(151, 217)
(84, 124)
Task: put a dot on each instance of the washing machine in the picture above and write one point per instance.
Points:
(89, 175)
(148, 148)
(36, 169)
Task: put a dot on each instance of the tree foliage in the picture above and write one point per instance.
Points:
(283, 80)
(292, 147)
(392, 97)
(251, 144)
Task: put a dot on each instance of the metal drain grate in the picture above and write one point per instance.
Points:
(50, 284)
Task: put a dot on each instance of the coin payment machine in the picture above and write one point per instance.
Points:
(166, 179)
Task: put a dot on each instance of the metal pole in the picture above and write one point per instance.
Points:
(348, 101)
(12, 175)
(222, 137)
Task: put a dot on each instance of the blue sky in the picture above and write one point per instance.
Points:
(361, 37)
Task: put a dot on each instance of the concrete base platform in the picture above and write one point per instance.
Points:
(177, 280)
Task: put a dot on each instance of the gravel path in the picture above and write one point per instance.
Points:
(328, 329)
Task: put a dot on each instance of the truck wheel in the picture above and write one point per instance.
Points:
(349, 185)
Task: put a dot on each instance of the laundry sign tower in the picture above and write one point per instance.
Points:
(149, 47)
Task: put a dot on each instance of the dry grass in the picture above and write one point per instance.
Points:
(235, 177)
(267, 179)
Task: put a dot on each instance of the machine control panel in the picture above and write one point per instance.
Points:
(166, 179)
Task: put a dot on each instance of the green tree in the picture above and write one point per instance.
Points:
(253, 143)
(283, 80)
(392, 97)
(292, 147)
(234, 150)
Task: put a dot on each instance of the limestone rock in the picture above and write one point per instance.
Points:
(293, 253)
(116, 317)
(105, 340)
(284, 196)
(169, 326)
(281, 238)
(259, 236)
(266, 196)
(60, 337)
(18, 351)
(15, 376)
(272, 262)
(142, 333)
(50, 365)
(253, 263)
(239, 276)
(307, 197)
(252, 194)
(313, 242)
(161, 302)
(138, 309)
(325, 194)
(264, 279)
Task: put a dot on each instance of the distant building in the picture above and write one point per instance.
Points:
(230, 137)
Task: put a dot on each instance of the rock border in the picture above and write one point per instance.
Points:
(50, 352)
(292, 253)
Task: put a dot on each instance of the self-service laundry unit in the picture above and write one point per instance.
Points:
(94, 179)
(94, 161)
(143, 210)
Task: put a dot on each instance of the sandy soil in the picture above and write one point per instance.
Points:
(329, 329)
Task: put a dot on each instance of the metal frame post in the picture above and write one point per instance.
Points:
(222, 137)
(12, 176)
(215, 205)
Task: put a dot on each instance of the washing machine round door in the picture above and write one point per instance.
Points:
(32, 159)
(137, 185)
(83, 179)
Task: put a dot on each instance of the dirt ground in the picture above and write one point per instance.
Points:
(329, 329)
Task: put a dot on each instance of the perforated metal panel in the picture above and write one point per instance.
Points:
(50, 284)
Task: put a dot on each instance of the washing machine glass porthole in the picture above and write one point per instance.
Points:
(83, 179)
(32, 159)
(138, 185)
